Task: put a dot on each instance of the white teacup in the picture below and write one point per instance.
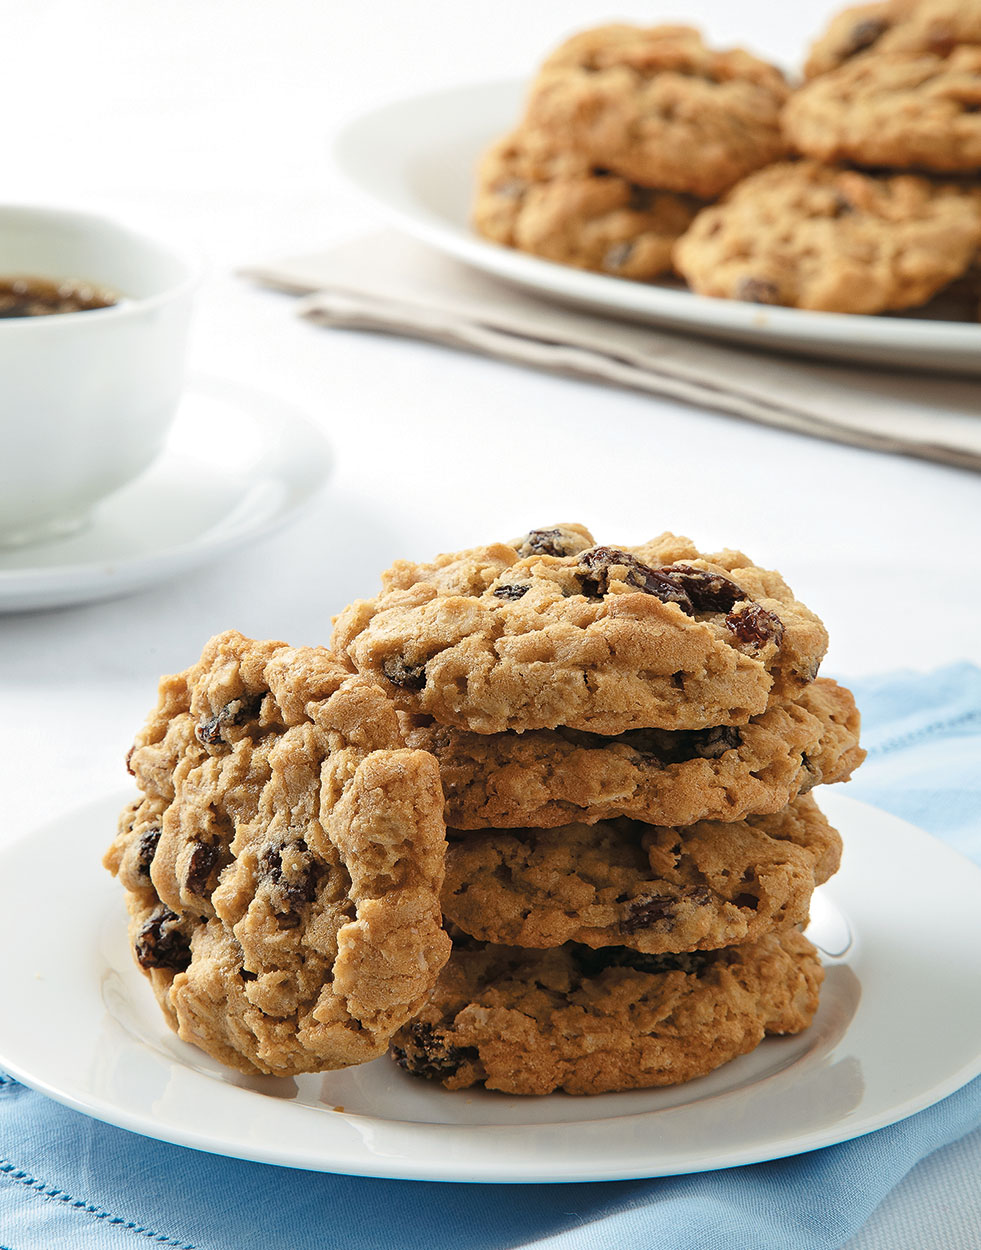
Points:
(86, 398)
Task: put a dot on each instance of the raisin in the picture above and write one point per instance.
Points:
(864, 34)
(297, 886)
(511, 591)
(246, 975)
(146, 850)
(641, 199)
(161, 944)
(758, 291)
(665, 746)
(755, 626)
(594, 577)
(304, 889)
(841, 205)
(617, 256)
(593, 962)
(941, 39)
(746, 900)
(708, 592)
(710, 744)
(553, 542)
(271, 863)
(644, 913)
(235, 712)
(401, 673)
(688, 962)
(429, 1055)
(204, 857)
(129, 760)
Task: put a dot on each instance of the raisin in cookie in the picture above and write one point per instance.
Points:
(552, 630)
(660, 108)
(589, 1022)
(901, 109)
(550, 777)
(936, 26)
(807, 235)
(541, 199)
(283, 865)
(850, 33)
(648, 887)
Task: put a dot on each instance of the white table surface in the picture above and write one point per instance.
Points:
(207, 120)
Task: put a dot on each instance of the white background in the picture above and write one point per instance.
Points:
(209, 120)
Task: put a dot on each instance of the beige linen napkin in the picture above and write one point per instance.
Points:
(390, 283)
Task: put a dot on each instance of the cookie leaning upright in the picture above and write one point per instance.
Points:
(284, 863)
(553, 630)
(660, 108)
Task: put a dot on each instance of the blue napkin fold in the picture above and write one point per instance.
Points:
(67, 1181)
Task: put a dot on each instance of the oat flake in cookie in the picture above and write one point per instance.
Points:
(553, 630)
(589, 1022)
(660, 108)
(807, 235)
(647, 887)
(284, 862)
(548, 777)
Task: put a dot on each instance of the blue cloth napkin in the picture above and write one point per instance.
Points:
(68, 1181)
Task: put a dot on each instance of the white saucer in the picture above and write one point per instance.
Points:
(899, 1027)
(237, 466)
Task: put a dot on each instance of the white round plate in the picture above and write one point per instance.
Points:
(417, 159)
(899, 1027)
(237, 465)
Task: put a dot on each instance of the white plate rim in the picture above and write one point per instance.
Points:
(305, 470)
(370, 154)
(455, 1152)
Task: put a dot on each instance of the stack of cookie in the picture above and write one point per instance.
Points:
(883, 212)
(626, 134)
(621, 740)
(629, 131)
(626, 739)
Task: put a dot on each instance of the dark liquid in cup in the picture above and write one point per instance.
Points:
(24, 296)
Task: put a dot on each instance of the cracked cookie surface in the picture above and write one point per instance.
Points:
(284, 862)
(647, 887)
(900, 109)
(807, 235)
(553, 630)
(660, 108)
(540, 198)
(590, 1022)
(544, 778)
